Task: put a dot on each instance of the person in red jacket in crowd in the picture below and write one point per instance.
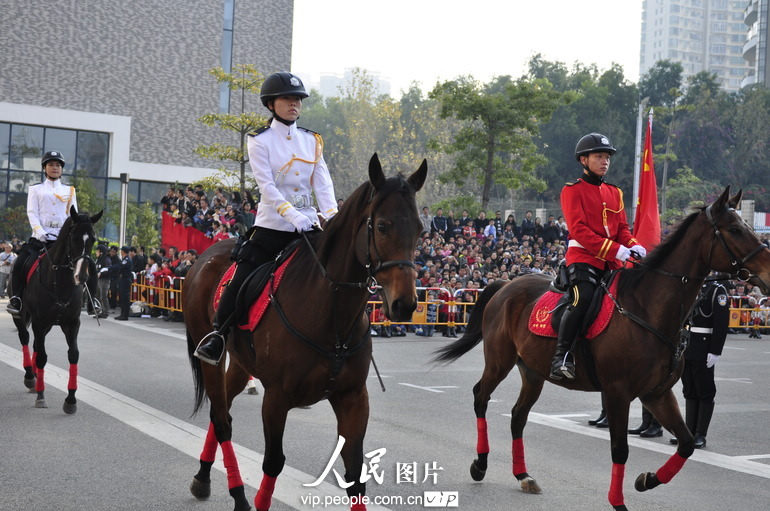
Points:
(599, 240)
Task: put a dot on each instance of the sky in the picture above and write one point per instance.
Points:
(429, 40)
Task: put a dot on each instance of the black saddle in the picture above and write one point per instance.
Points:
(593, 309)
(255, 282)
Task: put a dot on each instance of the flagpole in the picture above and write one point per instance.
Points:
(638, 155)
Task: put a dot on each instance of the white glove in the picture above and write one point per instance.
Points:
(623, 253)
(298, 220)
(640, 251)
(41, 235)
(711, 360)
(104, 270)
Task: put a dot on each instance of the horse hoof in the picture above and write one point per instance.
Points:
(529, 485)
(646, 481)
(477, 473)
(40, 403)
(199, 489)
(70, 408)
(29, 383)
(621, 507)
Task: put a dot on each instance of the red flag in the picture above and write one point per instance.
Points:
(647, 221)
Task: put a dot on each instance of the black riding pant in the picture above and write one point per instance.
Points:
(27, 254)
(261, 246)
(583, 279)
(698, 381)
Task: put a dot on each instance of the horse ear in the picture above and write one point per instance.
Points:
(735, 200)
(73, 214)
(721, 202)
(418, 178)
(375, 172)
(96, 217)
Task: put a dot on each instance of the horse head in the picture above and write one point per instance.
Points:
(78, 237)
(392, 229)
(735, 249)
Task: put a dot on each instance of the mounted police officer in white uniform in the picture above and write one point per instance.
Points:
(288, 165)
(48, 206)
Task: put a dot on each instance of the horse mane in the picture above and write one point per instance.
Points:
(350, 215)
(631, 277)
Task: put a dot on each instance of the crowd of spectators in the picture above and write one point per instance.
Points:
(219, 217)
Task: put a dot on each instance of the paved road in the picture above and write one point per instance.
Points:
(132, 444)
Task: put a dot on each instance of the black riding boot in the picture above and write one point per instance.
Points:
(562, 365)
(212, 346)
(18, 281)
(705, 411)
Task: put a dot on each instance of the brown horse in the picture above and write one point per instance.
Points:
(313, 342)
(638, 355)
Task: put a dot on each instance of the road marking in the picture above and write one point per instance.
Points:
(182, 436)
(734, 348)
(755, 457)
(734, 380)
(735, 463)
(430, 389)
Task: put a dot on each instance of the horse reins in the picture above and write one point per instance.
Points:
(342, 349)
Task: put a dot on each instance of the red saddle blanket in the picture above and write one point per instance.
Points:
(540, 317)
(258, 308)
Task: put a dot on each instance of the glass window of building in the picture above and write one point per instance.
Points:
(5, 141)
(20, 181)
(93, 151)
(62, 141)
(26, 147)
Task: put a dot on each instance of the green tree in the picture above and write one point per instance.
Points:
(89, 199)
(246, 79)
(14, 222)
(661, 83)
(141, 220)
(495, 144)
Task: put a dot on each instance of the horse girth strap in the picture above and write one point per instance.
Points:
(341, 350)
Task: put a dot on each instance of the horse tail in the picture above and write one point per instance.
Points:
(472, 335)
(197, 372)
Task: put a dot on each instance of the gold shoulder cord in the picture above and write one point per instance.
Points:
(283, 171)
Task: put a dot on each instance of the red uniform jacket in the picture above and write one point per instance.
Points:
(596, 219)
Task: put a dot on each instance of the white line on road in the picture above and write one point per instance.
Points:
(182, 436)
(436, 389)
(735, 463)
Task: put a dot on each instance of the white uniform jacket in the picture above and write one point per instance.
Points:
(48, 206)
(289, 166)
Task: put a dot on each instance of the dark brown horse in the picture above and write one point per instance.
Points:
(53, 296)
(313, 341)
(636, 356)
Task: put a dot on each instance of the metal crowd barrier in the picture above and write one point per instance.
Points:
(436, 306)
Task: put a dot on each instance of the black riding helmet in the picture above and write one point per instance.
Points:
(281, 84)
(593, 143)
(53, 156)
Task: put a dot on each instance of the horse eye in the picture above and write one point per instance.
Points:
(382, 227)
(734, 230)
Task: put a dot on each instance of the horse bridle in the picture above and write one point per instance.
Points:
(739, 271)
(381, 265)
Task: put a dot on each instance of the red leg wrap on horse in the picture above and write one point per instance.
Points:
(39, 383)
(231, 465)
(357, 506)
(210, 445)
(26, 359)
(615, 496)
(265, 493)
(34, 359)
(519, 465)
(72, 384)
(670, 468)
(482, 440)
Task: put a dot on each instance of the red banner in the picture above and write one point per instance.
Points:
(183, 238)
(647, 221)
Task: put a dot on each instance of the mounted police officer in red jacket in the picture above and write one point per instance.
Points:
(599, 241)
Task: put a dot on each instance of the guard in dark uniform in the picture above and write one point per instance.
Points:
(289, 167)
(599, 241)
(123, 270)
(708, 330)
